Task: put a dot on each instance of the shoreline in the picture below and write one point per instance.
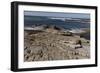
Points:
(52, 44)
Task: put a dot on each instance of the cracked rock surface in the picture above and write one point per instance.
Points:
(44, 46)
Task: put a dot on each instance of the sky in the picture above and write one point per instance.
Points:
(57, 14)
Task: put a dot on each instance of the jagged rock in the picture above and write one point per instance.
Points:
(54, 46)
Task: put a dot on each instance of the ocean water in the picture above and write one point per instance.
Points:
(37, 20)
(65, 24)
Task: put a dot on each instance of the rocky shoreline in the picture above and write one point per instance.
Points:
(54, 44)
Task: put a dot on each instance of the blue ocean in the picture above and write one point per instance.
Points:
(66, 24)
(30, 21)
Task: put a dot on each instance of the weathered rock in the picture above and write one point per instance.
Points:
(50, 46)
